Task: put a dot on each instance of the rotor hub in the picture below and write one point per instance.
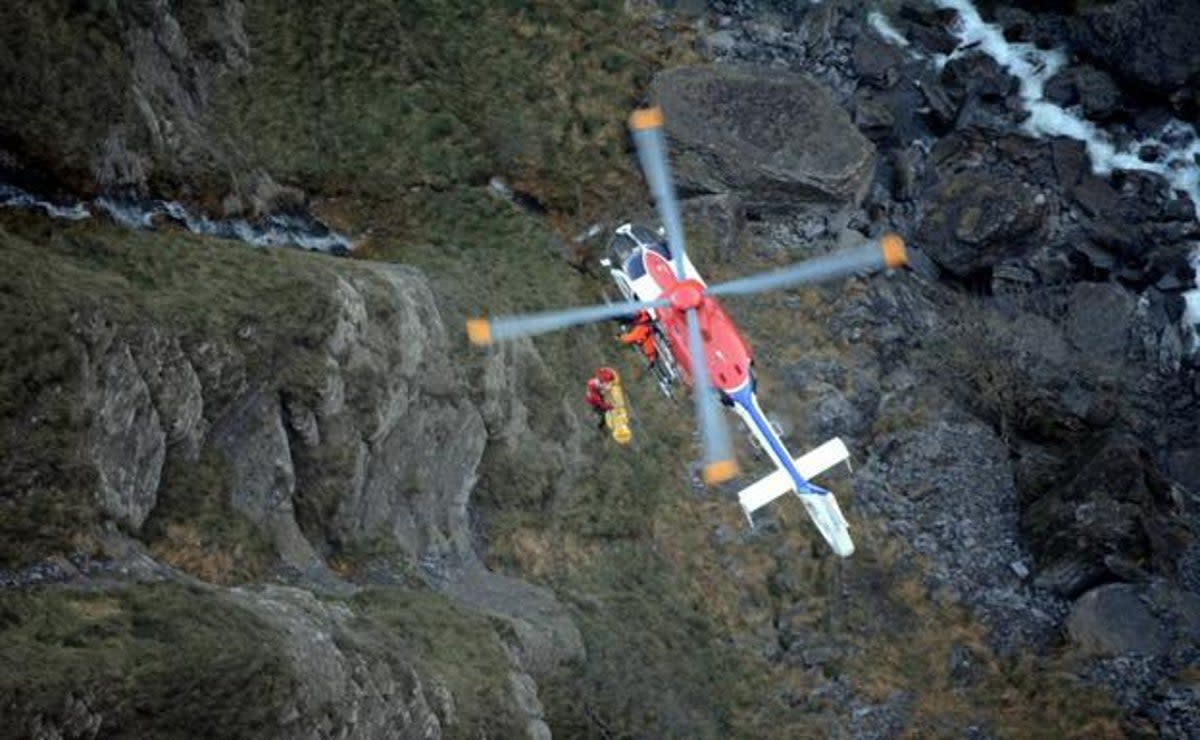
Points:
(686, 294)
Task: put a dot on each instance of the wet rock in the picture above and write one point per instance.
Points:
(872, 116)
(976, 220)
(773, 137)
(1018, 25)
(1096, 196)
(1088, 87)
(979, 76)
(926, 27)
(1070, 160)
(943, 103)
(1148, 43)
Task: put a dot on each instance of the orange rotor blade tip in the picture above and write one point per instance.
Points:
(646, 118)
(479, 331)
(894, 254)
(720, 471)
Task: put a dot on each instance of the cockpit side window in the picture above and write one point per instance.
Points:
(634, 267)
(621, 246)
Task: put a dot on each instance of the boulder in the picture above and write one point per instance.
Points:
(1099, 319)
(1092, 89)
(878, 62)
(722, 215)
(1113, 620)
(1151, 44)
(977, 219)
(773, 137)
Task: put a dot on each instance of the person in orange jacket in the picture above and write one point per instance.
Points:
(594, 396)
(641, 333)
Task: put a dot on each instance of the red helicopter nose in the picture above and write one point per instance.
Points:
(686, 294)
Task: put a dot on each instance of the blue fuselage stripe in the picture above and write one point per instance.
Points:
(744, 397)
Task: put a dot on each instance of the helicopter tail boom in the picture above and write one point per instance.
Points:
(794, 475)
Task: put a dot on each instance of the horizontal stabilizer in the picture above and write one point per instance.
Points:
(809, 466)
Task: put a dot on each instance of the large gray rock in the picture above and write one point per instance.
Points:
(546, 638)
(126, 442)
(1113, 620)
(770, 136)
(253, 440)
(175, 389)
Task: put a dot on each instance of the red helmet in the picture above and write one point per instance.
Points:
(606, 375)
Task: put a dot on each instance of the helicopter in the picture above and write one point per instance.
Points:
(705, 348)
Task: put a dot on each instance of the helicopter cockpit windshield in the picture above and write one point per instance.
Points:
(650, 240)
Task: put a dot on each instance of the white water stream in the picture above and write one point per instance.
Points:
(272, 231)
(1176, 143)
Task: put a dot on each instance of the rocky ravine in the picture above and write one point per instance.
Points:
(1026, 398)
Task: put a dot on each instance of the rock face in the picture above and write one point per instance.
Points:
(153, 69)
(1150, 43)
(1117, 508)
(973, 219)
(127, 442)
(344, 689)
(771, 136)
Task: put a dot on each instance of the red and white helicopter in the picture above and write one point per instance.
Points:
(660, 279)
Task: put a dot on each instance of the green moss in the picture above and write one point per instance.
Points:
(375, 97)
(152, 661)
(657, 665)
(457, 646)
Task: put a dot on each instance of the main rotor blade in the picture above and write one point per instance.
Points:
(719, 463)
(652, 153)
(887, 251)
(486, 331)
